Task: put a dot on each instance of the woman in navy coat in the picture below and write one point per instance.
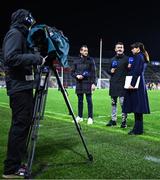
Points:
(136, 100)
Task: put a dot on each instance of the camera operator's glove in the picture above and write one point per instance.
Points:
(114, 64)
(44, 60)
(36, 59)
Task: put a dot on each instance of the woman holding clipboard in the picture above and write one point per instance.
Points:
(136, 98)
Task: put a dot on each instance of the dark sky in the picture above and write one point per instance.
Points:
(85, 22)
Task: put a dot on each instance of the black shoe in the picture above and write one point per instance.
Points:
(20, 174)
(111, 123)
(123, 125)
(134, 133)
(138, 133)
(131, 132)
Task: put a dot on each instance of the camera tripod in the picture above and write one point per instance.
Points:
(38, 114)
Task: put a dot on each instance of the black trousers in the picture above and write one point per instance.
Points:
(21, 104)
(138, 126)
(89, 105)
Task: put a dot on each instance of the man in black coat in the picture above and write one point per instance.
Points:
(18, 65)
(84, 71)
(118, 71)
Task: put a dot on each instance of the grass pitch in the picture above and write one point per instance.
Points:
(60, 153)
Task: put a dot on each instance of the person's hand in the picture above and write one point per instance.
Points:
(131, 87)
(79, 77)
(129, 66)
(113, 70)
(93, 87)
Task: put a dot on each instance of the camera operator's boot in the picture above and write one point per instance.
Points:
(20, 174)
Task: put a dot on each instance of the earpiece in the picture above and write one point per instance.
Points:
(29, 20)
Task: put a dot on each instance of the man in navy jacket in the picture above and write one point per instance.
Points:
(84, 71)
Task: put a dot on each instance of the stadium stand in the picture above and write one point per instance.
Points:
(152, 74)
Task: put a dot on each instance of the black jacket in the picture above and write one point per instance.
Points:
(118, 78)
(18, 61)
(80, 66)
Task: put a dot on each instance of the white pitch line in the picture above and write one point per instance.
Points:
(153, 159)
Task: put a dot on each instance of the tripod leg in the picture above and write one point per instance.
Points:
(39, 107)
(33, 136)
(43, 101)
(90, 157)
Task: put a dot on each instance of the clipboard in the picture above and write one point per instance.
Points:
(128, 80)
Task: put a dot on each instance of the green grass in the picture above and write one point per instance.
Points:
(60, 153)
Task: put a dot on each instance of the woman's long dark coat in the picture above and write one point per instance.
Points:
(136, 100)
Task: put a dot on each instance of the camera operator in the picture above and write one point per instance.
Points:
(18, 64)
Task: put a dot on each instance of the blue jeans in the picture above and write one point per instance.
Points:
(114, 108)
(89, 105)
